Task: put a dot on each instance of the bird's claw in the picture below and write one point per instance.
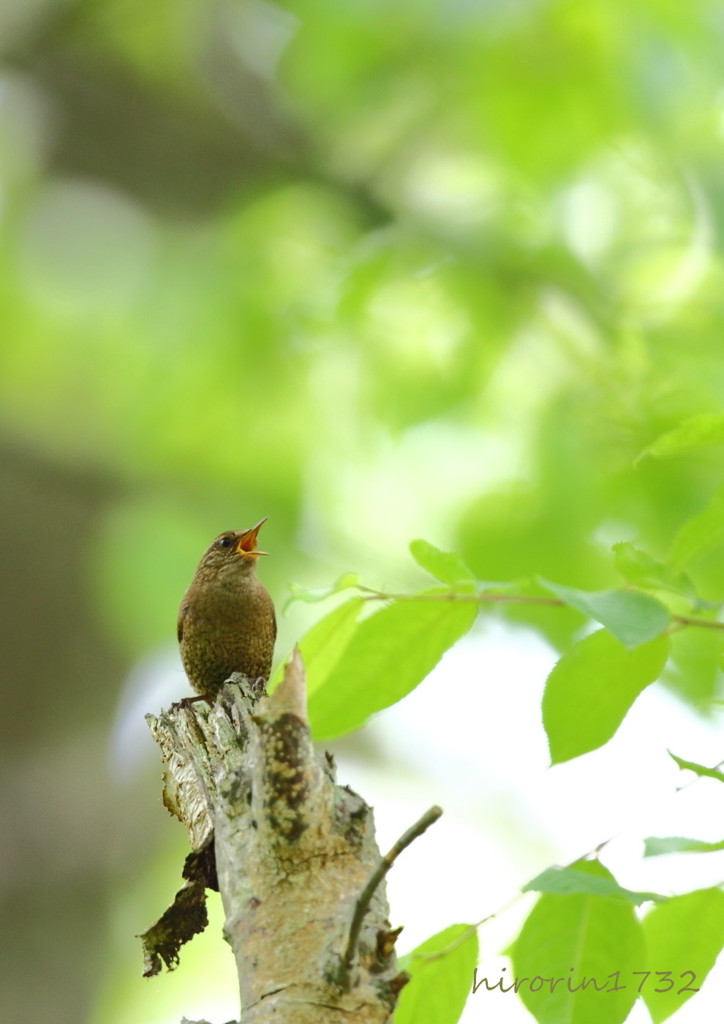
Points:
(251, 688)
(258, 686)
(186, 702)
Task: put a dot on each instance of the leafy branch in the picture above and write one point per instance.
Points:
(384, 655)
(493, 597)
(377, 645)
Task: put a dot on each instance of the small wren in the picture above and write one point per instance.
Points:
(226, 621)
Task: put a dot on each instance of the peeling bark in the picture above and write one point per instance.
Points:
(294, 851)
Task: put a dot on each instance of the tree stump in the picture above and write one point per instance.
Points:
(292, 853)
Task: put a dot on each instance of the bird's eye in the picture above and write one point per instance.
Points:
(224, 542)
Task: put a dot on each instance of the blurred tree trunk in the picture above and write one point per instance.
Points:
(61, 680)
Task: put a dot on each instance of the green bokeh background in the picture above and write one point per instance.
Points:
(375, 270)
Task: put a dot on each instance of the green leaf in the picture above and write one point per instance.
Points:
(590, 689)
(343, 582)
(699, 534)
(636, 565)
(322, 646)
(682, 935)
(692, 766)
(632, 617)
(446, 566)
(693, 670)
(439, 987)
(387, 655)
(580, 941)
(694, 432)
(639, 568)
(564, 881)
(656, 846)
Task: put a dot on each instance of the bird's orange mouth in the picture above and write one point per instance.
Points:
(246, 544)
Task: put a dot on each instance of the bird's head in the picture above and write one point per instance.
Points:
(232, 553)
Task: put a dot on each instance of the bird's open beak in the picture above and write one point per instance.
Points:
(246, 544)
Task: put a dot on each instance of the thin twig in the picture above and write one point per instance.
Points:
(690, 620)
(533, 599)
(453, 595)
(386, 862)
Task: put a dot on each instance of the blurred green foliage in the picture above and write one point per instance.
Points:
(379, 271)
(474, 245)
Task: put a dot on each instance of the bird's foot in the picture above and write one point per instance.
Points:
(186, 702)
(258, 686)
(251, 688)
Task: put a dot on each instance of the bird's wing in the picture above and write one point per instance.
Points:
(180, 623)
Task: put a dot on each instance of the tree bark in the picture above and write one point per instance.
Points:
(292, 854)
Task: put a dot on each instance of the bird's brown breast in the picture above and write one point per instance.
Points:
(225, 627)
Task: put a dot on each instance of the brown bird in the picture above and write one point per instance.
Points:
(226, 621)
